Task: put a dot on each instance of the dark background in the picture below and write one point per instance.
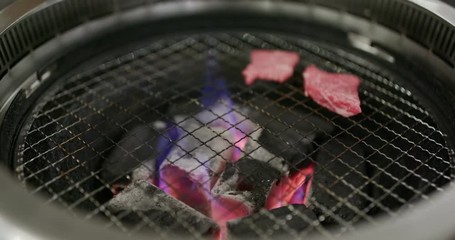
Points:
(4, 3)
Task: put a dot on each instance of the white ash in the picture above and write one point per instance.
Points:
(204, 150)
(227, 182)
(226, 186)
(144, 197)
(241, 196)
(159, 125)
(208, 140)
(143, 172)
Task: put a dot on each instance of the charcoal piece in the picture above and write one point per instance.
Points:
(141, 200)
(257, 177)
(201, 152)
(140, 173)
(208, 140)
(135, 148)
(288, 132)
(287, 144)
(250, 178)
(340, 171)
(254, 150)
(279, 222)
(184, 109)
(78, 136)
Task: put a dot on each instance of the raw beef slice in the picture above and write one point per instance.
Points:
(271, 65)
(334, 91)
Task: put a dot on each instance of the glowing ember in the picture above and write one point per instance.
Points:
(225, 209)
(293, 189)
(179, 184)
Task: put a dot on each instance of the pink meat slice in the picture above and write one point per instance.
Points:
(334, 91)
(270, 65)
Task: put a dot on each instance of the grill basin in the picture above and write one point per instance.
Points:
(381, 161)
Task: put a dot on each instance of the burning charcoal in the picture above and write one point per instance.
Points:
(234, 122)
(335, 91)
(292, 151)
(230, 206)
(189, 187)
(337, 167)
(140, 173)
(292, 189)
(133, 150)
(227, 207)
(249, 175)
(210, 141)
(228, 181)
(240, 190)
(202, 150)
(288, 133)
(226, 189)
(279, 222)
(254, 150)
(142, 199)
(85, 136)
(257, 177)
(219, 111)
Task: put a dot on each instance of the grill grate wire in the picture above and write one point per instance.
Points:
(400, 139)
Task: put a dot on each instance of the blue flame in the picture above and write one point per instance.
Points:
(215, 86)
(166, 142)
(215, 96)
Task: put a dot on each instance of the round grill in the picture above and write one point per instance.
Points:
(377, 163)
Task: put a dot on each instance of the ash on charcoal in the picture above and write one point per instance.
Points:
(339, 165)
(140, 173)
(288, 132)
(256, 177)
(280, 222)
(210, 139)
(132, 150)
(204, 149)
(249, 175)
(142, 199)
(228, 200)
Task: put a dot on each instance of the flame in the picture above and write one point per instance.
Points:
(193, 184)
(165, 142)
(293, 189)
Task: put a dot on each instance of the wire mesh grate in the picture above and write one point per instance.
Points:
(377, 163)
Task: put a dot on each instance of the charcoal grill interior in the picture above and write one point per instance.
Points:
(87, 140)
(383, 160)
